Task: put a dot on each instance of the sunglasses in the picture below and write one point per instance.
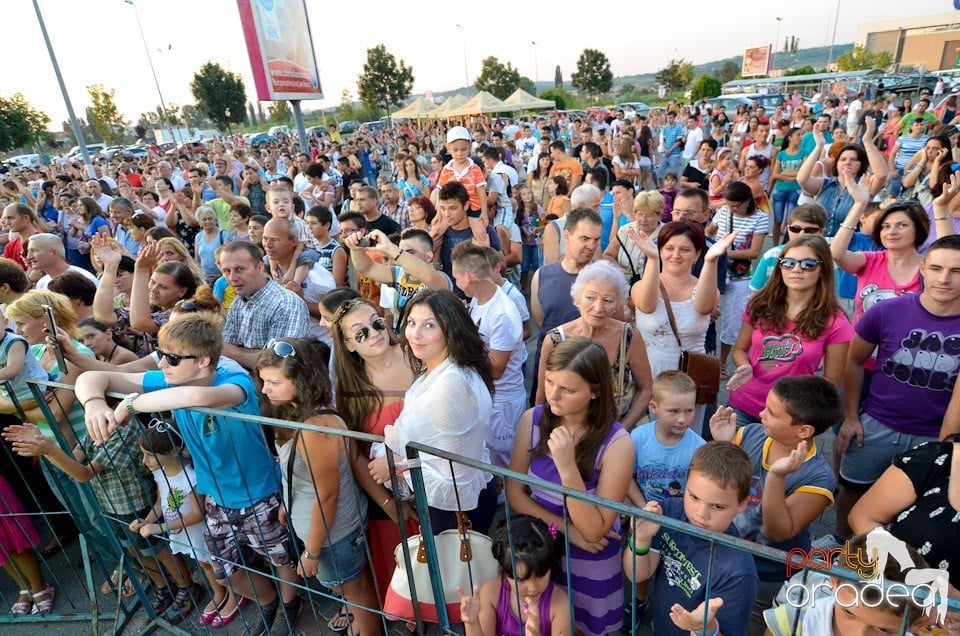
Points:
(806, 264)
(281, 348)
(172, 359)
(363, 333)
(799, 229)
(186, 306)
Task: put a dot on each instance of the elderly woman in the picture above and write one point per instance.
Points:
(621, 251)
(599, 293)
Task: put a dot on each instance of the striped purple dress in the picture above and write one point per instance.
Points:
(597, 578)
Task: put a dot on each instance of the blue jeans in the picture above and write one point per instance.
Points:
(783, 203)
(670, 164)
(896, 182)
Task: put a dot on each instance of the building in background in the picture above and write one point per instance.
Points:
(929, 42)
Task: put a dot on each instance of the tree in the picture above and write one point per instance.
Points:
(193, 117)
(279, 112)
(140, 130)
(104, 114)
(347, 111)
(728, 71)
(527, 84)
(558, 77)
(593, 75)
(220, 95)
(626, 89)
(384, 82)
(676, 75)
(253, 114)
(861, 59)
(20, 123)
(260, 114)
(800, 70)
(558, 95)
(496, 78)
(705, 86)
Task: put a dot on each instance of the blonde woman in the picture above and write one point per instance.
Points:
(173, 249)
(625, 163)
(621, 251)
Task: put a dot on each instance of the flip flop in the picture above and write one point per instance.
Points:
(342, 615)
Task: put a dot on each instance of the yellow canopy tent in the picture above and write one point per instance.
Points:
(451, 103)
(522, 100)
(481, 104)
(417, 109)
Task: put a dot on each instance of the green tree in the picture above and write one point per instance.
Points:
(625, 89)
(220, 95)
(194, 117)
(593, 75)
(557, 77)
(800, 70)
(705, 86)
(20, 123)
(861, 59)
(676, 75)
(253, 114)
(562, 98)
(104, 114)
(347, 111)
(260, 114)
(384, 82)
(279, 112)
(140, 130)
(497, 78)
(728, 71)
(527, 84)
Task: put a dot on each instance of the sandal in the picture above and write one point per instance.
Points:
(43, 606)
(129, 590)
(341, 621)
(724, 374)
(22, 608)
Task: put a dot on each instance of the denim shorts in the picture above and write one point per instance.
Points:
(343, 561)
(860, 466)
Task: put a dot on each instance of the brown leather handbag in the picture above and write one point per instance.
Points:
(704, 369)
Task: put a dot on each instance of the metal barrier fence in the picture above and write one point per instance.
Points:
(106, 543)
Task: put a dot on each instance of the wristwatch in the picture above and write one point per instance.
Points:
(310, 557)
(128, 403)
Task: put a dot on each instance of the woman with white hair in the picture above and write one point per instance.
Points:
(647, 212)
(599, 293)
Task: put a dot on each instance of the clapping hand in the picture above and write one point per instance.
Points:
(644, 243)
(741, 376)
(859, 189)
(950, 190)
(792, 462)
(101, 246)
(723, 424)
(720, 248)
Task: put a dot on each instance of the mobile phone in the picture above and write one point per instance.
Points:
(52, 328)
(364, 242)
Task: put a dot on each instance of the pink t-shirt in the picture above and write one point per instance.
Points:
(774, 355)
(874, 284)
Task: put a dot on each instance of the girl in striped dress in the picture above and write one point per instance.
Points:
(574, 440)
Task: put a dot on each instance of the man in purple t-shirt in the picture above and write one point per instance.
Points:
(917, 342)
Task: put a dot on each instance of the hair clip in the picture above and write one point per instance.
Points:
(552, 529)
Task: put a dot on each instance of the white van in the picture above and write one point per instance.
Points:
(25, 161)
(279, 130)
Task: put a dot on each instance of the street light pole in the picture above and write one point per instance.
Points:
(536, 67)
(833, 40)
(463, 41)
(163, 106)
(776, 42)
(77, 130)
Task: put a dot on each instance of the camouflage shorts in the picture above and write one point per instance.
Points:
(231, 533)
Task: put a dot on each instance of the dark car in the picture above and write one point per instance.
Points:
(349, 126)
(910, 84)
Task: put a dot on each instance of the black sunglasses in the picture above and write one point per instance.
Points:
(799, 229)
(173, 359)
(186, 306)
(806, 264)
(281, 348)
(363, 333)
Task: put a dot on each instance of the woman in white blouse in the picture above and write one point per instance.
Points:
(447, 407)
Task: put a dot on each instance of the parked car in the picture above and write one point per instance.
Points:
(909, 84)
(91, 148)
(349, 126)
(192, 147)
(137, 152)
(732, 102)
(276, 131)
(640, 107)
(261, 138)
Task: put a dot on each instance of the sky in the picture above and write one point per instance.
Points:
(97, 42)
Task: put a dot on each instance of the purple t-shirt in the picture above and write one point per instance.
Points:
(774, 355)
(918, 358)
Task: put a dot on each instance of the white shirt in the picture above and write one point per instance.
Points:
(692, 145)
(104, 201)
(317, 283)
(45, 281)
(458, 426)
(501, 328)
(853, 114)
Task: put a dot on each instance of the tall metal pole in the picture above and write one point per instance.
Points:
(77, 131)
(463, 40)
(536, 67)
(833, 40)
(163, 106)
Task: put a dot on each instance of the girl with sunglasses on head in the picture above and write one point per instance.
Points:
(322, 503)
(791, 327)
(373, 376)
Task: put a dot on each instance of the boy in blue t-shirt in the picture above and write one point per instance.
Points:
(791, 482)
(234, 467)
(664, 450)
(718, 486)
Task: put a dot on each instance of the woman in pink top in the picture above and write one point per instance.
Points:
(901, 229)
(790, 327)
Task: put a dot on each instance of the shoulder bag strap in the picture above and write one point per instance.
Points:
(633, 270)
(622, 358)
(673, 321)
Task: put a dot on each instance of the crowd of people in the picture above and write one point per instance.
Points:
(389, 284)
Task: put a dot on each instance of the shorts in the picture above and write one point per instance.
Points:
(232, 532)
(343, 561)
(532, 258)
(863, 465)
(308, 257)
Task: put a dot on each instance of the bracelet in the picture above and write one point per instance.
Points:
(848, 227)
(91, 399)
(310, 557)
(942, 218)
(636, 550)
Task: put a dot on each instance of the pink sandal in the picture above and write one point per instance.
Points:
(44, 606)
(22, 608)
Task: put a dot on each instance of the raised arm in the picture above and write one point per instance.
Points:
(646, 292)
(103, 299)
(140, 312)
(848, 261)
(707, 293)
(805, 178)
(876, 159)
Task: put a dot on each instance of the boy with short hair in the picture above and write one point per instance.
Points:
(718, 488)
(807, 218)
(462, 169)
(792, 485)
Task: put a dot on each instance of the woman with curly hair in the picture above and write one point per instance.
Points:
(792, 326)
(373, 376)
(443, 345)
